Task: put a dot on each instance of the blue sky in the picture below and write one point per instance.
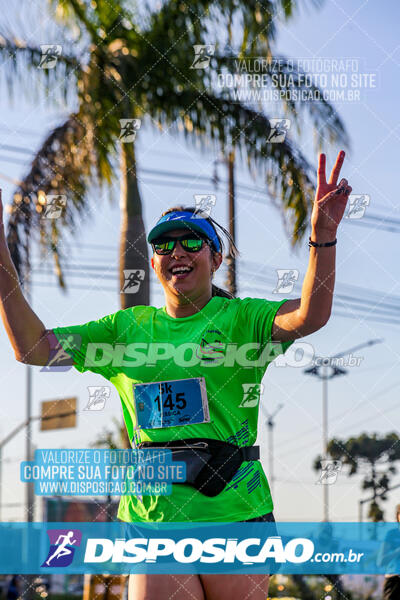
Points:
(364, 399)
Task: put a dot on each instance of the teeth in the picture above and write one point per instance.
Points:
(181, 270)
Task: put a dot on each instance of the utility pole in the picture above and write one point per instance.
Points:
(324, 368)
(324, 376)
(17, 429)
(231, 261)
(30, 506)
(271, 424)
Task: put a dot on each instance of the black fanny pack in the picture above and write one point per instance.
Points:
(210, 464)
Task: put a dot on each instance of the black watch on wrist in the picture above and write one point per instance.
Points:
(326, 245)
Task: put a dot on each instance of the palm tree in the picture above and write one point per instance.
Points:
(132, 63)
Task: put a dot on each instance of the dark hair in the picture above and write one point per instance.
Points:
(232, 249)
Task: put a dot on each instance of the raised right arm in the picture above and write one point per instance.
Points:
(26, 332)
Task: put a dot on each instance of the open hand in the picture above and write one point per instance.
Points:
(330, 201)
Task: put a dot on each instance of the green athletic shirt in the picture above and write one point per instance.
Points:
(222, 323)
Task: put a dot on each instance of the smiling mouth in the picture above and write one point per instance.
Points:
(181, 272)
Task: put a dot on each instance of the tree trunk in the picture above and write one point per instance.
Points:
(133, 245)
(230, 260)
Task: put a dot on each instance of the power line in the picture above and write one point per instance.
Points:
(381, 306)
(22, 132)
(361, 297)
(15, 149)
(340, 416)
(385, 223)
(190, 176)
(356, 307)
(14, 161)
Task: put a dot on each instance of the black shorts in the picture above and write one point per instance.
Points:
(268, 517)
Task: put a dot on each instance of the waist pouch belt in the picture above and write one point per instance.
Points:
(210, 464)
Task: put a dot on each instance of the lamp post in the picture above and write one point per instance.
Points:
(325, 368)
(17, 429)
(271, 424)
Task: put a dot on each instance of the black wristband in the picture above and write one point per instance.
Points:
(315, 245)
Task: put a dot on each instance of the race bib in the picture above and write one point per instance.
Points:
(171, 403)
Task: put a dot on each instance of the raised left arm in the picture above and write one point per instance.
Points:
(302, 316)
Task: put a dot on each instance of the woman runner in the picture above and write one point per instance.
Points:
(208, 331)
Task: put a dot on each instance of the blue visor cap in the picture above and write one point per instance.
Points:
(184, 219)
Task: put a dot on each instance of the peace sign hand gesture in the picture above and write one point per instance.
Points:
(330, 201)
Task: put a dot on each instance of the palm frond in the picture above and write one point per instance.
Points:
(64, 165)
(18, 58)
(103, 21)
(206, 119)
(145, 71)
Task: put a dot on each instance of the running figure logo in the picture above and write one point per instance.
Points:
(62, 547)
(279, 129)
(132, 280)
(329, 471)
(357, 206)
(203, 54)
(59, 359)
(286, 280)
(50, 54)
(129, 128)
(98, 395)
(251, 394)
(55, 204)
(204, 204)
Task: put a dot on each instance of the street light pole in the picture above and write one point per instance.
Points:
(28, 442)
(17, 429)
(324, 369)
(232, 286)
(271, 424)
(325, 435)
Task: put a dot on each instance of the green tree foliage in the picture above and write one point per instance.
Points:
(373, 456)
(135, 61)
